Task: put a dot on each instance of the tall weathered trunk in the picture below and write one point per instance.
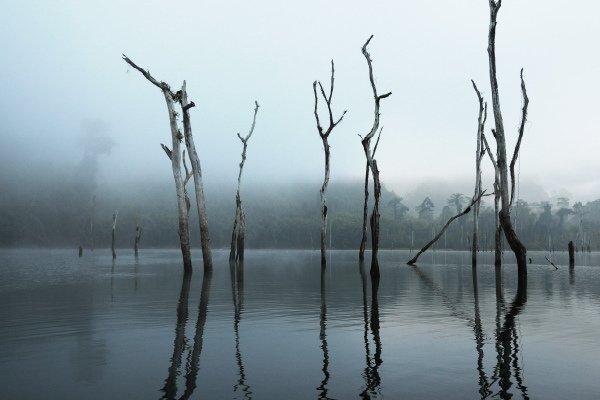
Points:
(504, 214)
(138, 236)
(174, 155)
(197, 173)
(323, 194)
(114, 227)
(497, 226)
(479, 153)
(372, 163)
(363, 242)
(375, 221)
(324, 134)
(239, 224)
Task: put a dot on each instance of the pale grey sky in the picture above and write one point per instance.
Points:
(61, 66)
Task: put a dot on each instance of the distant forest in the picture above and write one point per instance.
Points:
(277, 216)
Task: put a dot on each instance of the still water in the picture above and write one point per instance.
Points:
(276, 328)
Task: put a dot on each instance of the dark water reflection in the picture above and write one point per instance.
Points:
(280, 327)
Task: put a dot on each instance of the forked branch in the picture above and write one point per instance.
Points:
(324, 133)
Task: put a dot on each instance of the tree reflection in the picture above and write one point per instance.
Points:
(170, 387)
(484, 385)
(179, 346)
(507, 345)
(372, 362)
(323, 338)
(236, 270)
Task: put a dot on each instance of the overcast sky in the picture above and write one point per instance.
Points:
(61, 68)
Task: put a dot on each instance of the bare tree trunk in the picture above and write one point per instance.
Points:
(323, 194)
(480, 152)
(114, 227)
(239, 224)
(175, 156)
(375, 220)
(138, 236)
(324, 134)
(363, 242)
(497, 226)
(197, 173)
(474, 201)
(366, 143)
(504, 214)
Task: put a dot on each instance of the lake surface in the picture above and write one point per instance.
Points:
(277, 328)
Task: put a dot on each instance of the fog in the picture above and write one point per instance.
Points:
(66, 88)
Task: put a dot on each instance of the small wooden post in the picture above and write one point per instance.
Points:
(571, 255)
(80, 251)
(114, 226)
(138, 235)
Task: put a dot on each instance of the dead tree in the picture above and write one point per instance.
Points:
(114, 227)
(138, 236)
(506, 196)
(239, 224)
(197, 172)
(370, 155)
(324, 134)
(174, 155)
(474, 200)
(479, 153)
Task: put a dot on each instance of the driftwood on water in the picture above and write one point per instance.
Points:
(475, 200)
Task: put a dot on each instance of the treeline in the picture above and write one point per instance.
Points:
(277, 216)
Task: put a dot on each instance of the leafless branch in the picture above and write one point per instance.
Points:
(487, 148)
(244, 140)
(374, 87)
(377, 142)
(166, 149)
(474, 200)
(518, 145)
(160, 85)
(188, 173)
(332, 123)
